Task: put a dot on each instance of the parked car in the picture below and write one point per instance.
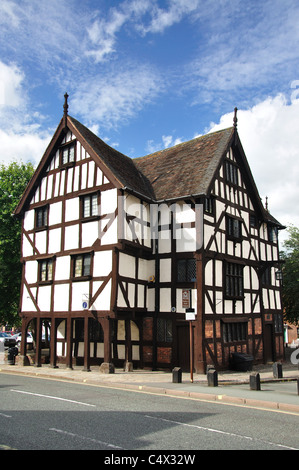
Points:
(18, 339)
(9, 341)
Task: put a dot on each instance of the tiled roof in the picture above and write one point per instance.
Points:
(185, 169)
(119, 164)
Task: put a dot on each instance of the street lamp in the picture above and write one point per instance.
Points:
(278, 275)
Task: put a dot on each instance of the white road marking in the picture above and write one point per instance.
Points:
(202, 428)
(71, 434)
(5, 416)
(53, 398)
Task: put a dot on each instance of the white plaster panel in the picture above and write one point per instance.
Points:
(29, 220)
(27, 249)
(89, 233)
(111, 235)
(91, 171)
(50, 186)
(61, 298)
(209, 273)
(146, 269)
(218, 273)
(79, 292)
(72, 209)
(83, 175)
(55, 213)
(43, 189)
(141, 293)
(71, 237)
(131, 294)
(54, 240)
(31, 268)
(165, 300)
(165, 270)
(102, 263)
(69, 187)
(164, 242)
(41, 241)
(126, 265)
(150, 300)
(103, 301)
(62, 268)
(62, 180)
(44, 298)
(27, 304)
(185, 239)
(108, 201)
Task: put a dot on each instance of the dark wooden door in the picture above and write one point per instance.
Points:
(183, 347)
(268, 343)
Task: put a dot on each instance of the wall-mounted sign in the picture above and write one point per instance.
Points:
(186, 298)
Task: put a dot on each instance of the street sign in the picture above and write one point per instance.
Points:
(190, 316)
(186, 298)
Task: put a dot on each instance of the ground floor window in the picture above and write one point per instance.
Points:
(236, 331)
(164, 330)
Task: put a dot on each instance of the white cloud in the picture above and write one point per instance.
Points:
(11, 78)
(117, 96)
(20, 136)
(270, 138)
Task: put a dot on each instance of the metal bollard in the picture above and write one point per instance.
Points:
(277, 370)
(177, 375)
(297, 386)
(212, 377)
(255, 381)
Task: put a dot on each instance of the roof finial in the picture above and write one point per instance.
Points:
(235, 119)
(65, 106)
(65, 109)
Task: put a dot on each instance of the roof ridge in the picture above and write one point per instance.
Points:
(199, 137)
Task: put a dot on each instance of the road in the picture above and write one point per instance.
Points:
(42, 414)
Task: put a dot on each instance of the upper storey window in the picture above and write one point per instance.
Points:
(272, 233)
(67, 154)
(89, 205)
(41, 217)
(231, 172)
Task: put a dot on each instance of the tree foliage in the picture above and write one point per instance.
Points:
(13, 181)
(290, 290)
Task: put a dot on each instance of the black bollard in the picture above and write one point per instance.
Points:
(177, 375)
(255, 381)
(212, 377)
(277, 370)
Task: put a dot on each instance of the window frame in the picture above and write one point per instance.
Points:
(90, 197)
(235, 332)
(233, 228)
(82, 274)
(231, 173)
(49, 273)
(234, 281)
(187, 268)
(44, 210)
(67, 147)
(164, 326)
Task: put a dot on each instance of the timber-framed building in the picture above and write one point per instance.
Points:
(117, 254)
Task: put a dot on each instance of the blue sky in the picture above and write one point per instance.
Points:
(147, 74)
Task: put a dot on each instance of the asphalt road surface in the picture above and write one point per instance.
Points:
(42, 414)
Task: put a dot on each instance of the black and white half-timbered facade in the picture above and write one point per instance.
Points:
(119, 253)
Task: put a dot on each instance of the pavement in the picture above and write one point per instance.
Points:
(280, 394)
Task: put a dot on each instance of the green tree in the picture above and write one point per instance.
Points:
(13, 181)
(290, 290)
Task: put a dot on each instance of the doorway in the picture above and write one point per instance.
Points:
(183, 347)
(268, 343)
